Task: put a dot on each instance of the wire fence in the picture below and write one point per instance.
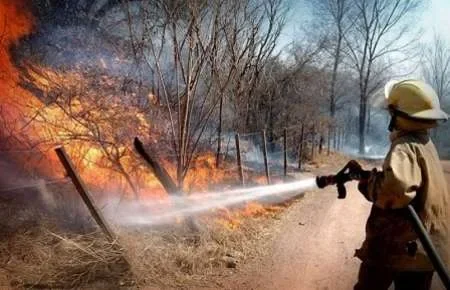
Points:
(278, 153)
(274, 153)
(281, 153)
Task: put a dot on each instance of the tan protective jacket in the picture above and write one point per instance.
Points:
(412, 173)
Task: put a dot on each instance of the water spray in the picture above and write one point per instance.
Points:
(203, 202)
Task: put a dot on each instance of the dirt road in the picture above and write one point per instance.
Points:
(315, 244)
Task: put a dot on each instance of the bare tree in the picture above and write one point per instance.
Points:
(83, 109)
(202, 52)
(436, 71)
(251, 30)
(436, 67)
(380, 29)
(333, 15)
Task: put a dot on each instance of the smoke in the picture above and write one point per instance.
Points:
(377, 135)
(158, 212)
(47, 197)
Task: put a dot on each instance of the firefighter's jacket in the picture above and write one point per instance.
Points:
(411, 173)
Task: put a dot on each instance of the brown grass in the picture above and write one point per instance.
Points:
(175, 258)
(53, 245)
(44, 259)
(44, 256)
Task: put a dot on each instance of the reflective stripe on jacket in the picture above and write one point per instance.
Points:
(412, 173)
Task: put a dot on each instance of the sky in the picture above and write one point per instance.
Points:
(435, 17)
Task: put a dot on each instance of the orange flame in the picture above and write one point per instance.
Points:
(94, 161)
(15, 22)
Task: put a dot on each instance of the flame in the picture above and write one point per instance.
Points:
(15, 22)
(95, 125)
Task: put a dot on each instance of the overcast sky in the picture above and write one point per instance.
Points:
(435, 17)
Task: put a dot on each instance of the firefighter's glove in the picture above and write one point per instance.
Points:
(354, 168)
(356, 172)
(363, 184)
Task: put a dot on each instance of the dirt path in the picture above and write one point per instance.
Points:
(314, 245)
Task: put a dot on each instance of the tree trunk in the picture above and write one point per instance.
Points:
(300, 149)
(320, 144)
(313, 139)
(362, 125)
(219, 134)
(329, 140)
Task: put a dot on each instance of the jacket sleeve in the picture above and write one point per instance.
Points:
(396, 185)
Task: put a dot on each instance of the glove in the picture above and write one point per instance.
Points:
(364, 180)
(354, 168)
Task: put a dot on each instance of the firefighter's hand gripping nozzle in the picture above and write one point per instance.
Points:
(351, 171)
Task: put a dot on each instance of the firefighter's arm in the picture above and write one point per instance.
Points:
(396, 185)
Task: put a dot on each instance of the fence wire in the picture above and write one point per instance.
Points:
(252, 151)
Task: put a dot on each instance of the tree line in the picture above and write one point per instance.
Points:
(198, 70)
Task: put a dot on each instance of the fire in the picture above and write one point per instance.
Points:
(94, 120)
(203, 173)
(232, 219)
(15, 22)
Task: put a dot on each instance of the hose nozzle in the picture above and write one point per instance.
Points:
(351, 171)
(326, 180)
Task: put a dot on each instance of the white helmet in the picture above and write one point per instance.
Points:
(414, 99)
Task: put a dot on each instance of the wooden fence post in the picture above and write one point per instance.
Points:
(339, 139)
(239, 160)
(329, 140)
(313, 139)
(84, 193)
(266, 163)
(285, 151)
(160, 173)
(321, 144)
(300, 147)
(335, 147)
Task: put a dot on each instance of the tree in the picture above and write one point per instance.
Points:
(83, 110)
(436, 71)
(334, 15)
(251, 30)
(379, 30)
(436, 67)
(201, 51)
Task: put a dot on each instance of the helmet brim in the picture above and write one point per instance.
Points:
(432, 114)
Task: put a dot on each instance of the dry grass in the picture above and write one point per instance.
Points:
(177, 259)
(53, 245)
(43, 259)
(44, 256)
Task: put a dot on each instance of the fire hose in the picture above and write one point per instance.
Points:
(352, 171)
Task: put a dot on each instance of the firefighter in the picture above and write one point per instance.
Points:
(411, 174)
